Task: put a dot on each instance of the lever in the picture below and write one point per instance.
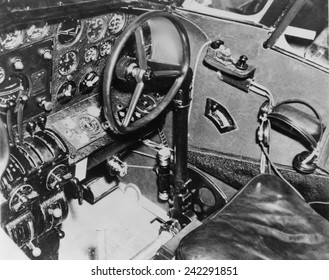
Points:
(77, 190)
(10, 108)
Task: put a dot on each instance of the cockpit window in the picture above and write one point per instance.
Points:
(307, 34)
(243, 7)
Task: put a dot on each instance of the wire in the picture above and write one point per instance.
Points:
(194, 72)
(263, 91)
(319, 202)
(277, 171)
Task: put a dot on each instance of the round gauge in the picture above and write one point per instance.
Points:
(68, 31)
(105, 48)
(89, 82)
(56, 176)
(66, 92)
(96, 29)
(91, 54)
(2, 74)
(11, 40)
(145, 104)
(11, 88)
(37, 31)
(117, 23)
(89, 124)
(68, 62)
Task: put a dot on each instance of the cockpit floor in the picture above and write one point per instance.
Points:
(117, 227)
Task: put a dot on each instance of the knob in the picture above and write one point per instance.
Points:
(30, 127)
(57, 212)
(46, 54)
(18, 64)
(42, 120)
(242, 63)
(47, 105)
(36, 251)
(216, 44)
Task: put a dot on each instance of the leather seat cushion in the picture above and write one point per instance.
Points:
(267, 219)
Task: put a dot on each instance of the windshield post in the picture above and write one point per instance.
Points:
(288, 15)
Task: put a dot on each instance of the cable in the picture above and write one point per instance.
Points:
(319, 202)
(277, 171)
(263, 91)
(194, 72)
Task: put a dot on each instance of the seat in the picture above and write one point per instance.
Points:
(267, 219)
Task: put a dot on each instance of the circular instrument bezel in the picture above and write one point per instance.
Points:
(117, 27)
(77, 25)
(73, 66)
(104, 52)
(91, 54)
(92, 25)
(19, 37)
(43, 28)
(91, 120)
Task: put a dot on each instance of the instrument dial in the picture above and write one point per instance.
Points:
(37, 31)
(56, 176)
(91, 54)
(11, 89)
(68, 63)
(89, 82)
(96, 29)
(66, 92)
(69, 31)
(89, 124)
(2, 74)
(11, 40)
(117, 23)
(105, 48)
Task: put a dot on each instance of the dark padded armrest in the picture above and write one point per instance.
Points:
(266, 220)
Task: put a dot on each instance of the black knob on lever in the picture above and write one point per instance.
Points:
(77, 189)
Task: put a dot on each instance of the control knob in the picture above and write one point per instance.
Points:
(46, 105)
(18, 64)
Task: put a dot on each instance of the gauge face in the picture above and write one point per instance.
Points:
(2, 74)
(89, 82)
(11, 88)
(105, 48)
(56, 176)
(89, 124)
(68, 62)
(91, 54)
(66, 92)
(117, 23)
(68, 31)
(37, 31)
(11, 40)
(96, 29)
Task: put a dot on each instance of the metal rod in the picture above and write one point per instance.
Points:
(292, 10)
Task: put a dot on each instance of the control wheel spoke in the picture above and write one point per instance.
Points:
(165, 70)
(140, 43)
(133, 103)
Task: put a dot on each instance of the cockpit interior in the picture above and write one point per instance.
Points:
(164, 129)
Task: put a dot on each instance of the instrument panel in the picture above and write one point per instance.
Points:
(50, 100)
